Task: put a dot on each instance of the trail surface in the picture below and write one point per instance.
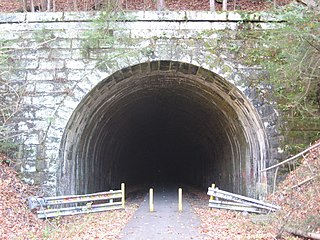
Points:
(166, 222)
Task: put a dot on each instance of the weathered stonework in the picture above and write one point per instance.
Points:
(61, 82)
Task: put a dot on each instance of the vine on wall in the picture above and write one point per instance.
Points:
(11, 99)
(109, 40)
(291, 56)
(289, 53)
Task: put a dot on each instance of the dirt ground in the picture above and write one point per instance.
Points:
(298, 195)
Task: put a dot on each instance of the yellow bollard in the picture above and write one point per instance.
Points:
(212, 197)
(151, 205)
(123, 195)
(180, 199)
(212, 186)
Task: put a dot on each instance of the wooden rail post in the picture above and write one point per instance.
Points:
(180, 199)
(151, 205)
(212, 197)
(123, 195)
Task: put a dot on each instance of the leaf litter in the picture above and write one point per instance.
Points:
(148, 5)
(299, 203)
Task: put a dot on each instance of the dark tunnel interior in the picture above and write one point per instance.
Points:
(156, 126)
(163, 139)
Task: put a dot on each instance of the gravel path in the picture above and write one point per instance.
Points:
(166, 222)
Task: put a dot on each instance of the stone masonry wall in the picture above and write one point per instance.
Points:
(49, 55)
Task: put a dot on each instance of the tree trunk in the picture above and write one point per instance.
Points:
(75, 5)
(32, 5)
(212, 5)
(160, 5)
(224, 5)
(303, 234)
(44, 5)
(48, 5)
(24, 5)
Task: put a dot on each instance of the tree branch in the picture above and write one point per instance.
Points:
(303, 234)
(303, 182)
(312, 45)
(292, 158)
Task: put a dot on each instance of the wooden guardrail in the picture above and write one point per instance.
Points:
(49, 207)
(225, 200)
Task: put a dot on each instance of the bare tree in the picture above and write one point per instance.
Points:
(224, 5)
(108, 4)
(310, 3)
(75, 5)
(212, 5)
(49, 5)
(32, 5)
(46, 5)
(24, 5)
(160, 5)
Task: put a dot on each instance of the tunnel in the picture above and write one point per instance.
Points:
(163, 122)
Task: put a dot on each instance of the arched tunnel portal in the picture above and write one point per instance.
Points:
(163, 121)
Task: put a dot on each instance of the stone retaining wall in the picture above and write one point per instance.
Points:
(50, 55)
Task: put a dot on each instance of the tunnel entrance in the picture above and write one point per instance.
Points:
(163, 121)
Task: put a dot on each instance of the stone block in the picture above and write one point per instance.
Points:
(75, 64)
(66, 34)
(28, 64)
(77, 44)
(36, 75)
(44, 16)
(60, 54)
(41, 164)
(12, 17)
(76, 75)
(9, 35)
(79, 16)
(51, 64)
(40, 178)
(60, 43)
(90, 64)
(17, 75)
(77, 54)
(234, 16)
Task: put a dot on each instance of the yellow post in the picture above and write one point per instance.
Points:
(123, 195)
(151, 205)
(212, 186)
(180, 199)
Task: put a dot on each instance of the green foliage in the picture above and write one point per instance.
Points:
(291, 54)
(4, 57)
(43, 35)
(10, 99)
(5, 88)
(100, 40)
(9, 149)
